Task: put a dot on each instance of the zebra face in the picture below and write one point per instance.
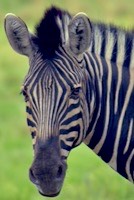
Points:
(54, 93)
(55, 90)
(55, 105)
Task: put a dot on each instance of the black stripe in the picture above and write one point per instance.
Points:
(30, 123)
(65, 146)
(103, 46)
(128, 49)
(71, 129)
(115, 48)
(33, 134)
(75, 117)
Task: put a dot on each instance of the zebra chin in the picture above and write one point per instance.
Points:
(47, 193)
(48, 169)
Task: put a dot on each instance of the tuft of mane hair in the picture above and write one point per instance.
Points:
(48, 31)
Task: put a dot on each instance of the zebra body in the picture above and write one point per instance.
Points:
(79, 88)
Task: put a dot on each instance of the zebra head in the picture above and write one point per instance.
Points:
(55, 90)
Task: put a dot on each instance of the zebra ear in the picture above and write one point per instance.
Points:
(17, 34)
(80, 34)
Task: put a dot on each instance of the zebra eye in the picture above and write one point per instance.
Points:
(75, 92)
(25, 95)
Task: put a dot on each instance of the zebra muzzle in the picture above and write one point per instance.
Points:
(48, 169)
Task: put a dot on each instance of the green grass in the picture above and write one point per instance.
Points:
(88, 178)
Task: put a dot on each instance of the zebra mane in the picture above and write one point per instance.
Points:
(49, 31)
(112, 42)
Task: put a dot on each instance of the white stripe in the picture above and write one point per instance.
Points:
(130, 176)
(72, 124)
(64, 152)
(59, 23)
(110, 42)
(35, 105)
(121, 48)
(97, 40)
(132, 56)
(90, 47)
(130, 132)
(66, 23)
(118, 89)
(70, 134)
(34, 140)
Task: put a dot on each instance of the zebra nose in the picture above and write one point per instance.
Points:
(59, 173)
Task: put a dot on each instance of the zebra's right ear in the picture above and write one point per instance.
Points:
(17, 34)
(80, 34)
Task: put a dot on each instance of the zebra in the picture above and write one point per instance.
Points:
(79, 88)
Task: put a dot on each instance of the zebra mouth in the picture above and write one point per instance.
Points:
(52, 195)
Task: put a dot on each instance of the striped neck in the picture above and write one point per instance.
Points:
(110, 131)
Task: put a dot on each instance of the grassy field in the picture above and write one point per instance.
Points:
(88, 178)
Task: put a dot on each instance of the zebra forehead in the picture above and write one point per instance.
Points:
(51, 31)
(44, 78)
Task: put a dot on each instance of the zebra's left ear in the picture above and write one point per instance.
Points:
(80, 34)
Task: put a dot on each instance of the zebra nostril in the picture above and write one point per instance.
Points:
(60, 171)
(32, 176)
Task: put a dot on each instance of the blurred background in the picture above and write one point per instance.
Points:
(88, 178)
